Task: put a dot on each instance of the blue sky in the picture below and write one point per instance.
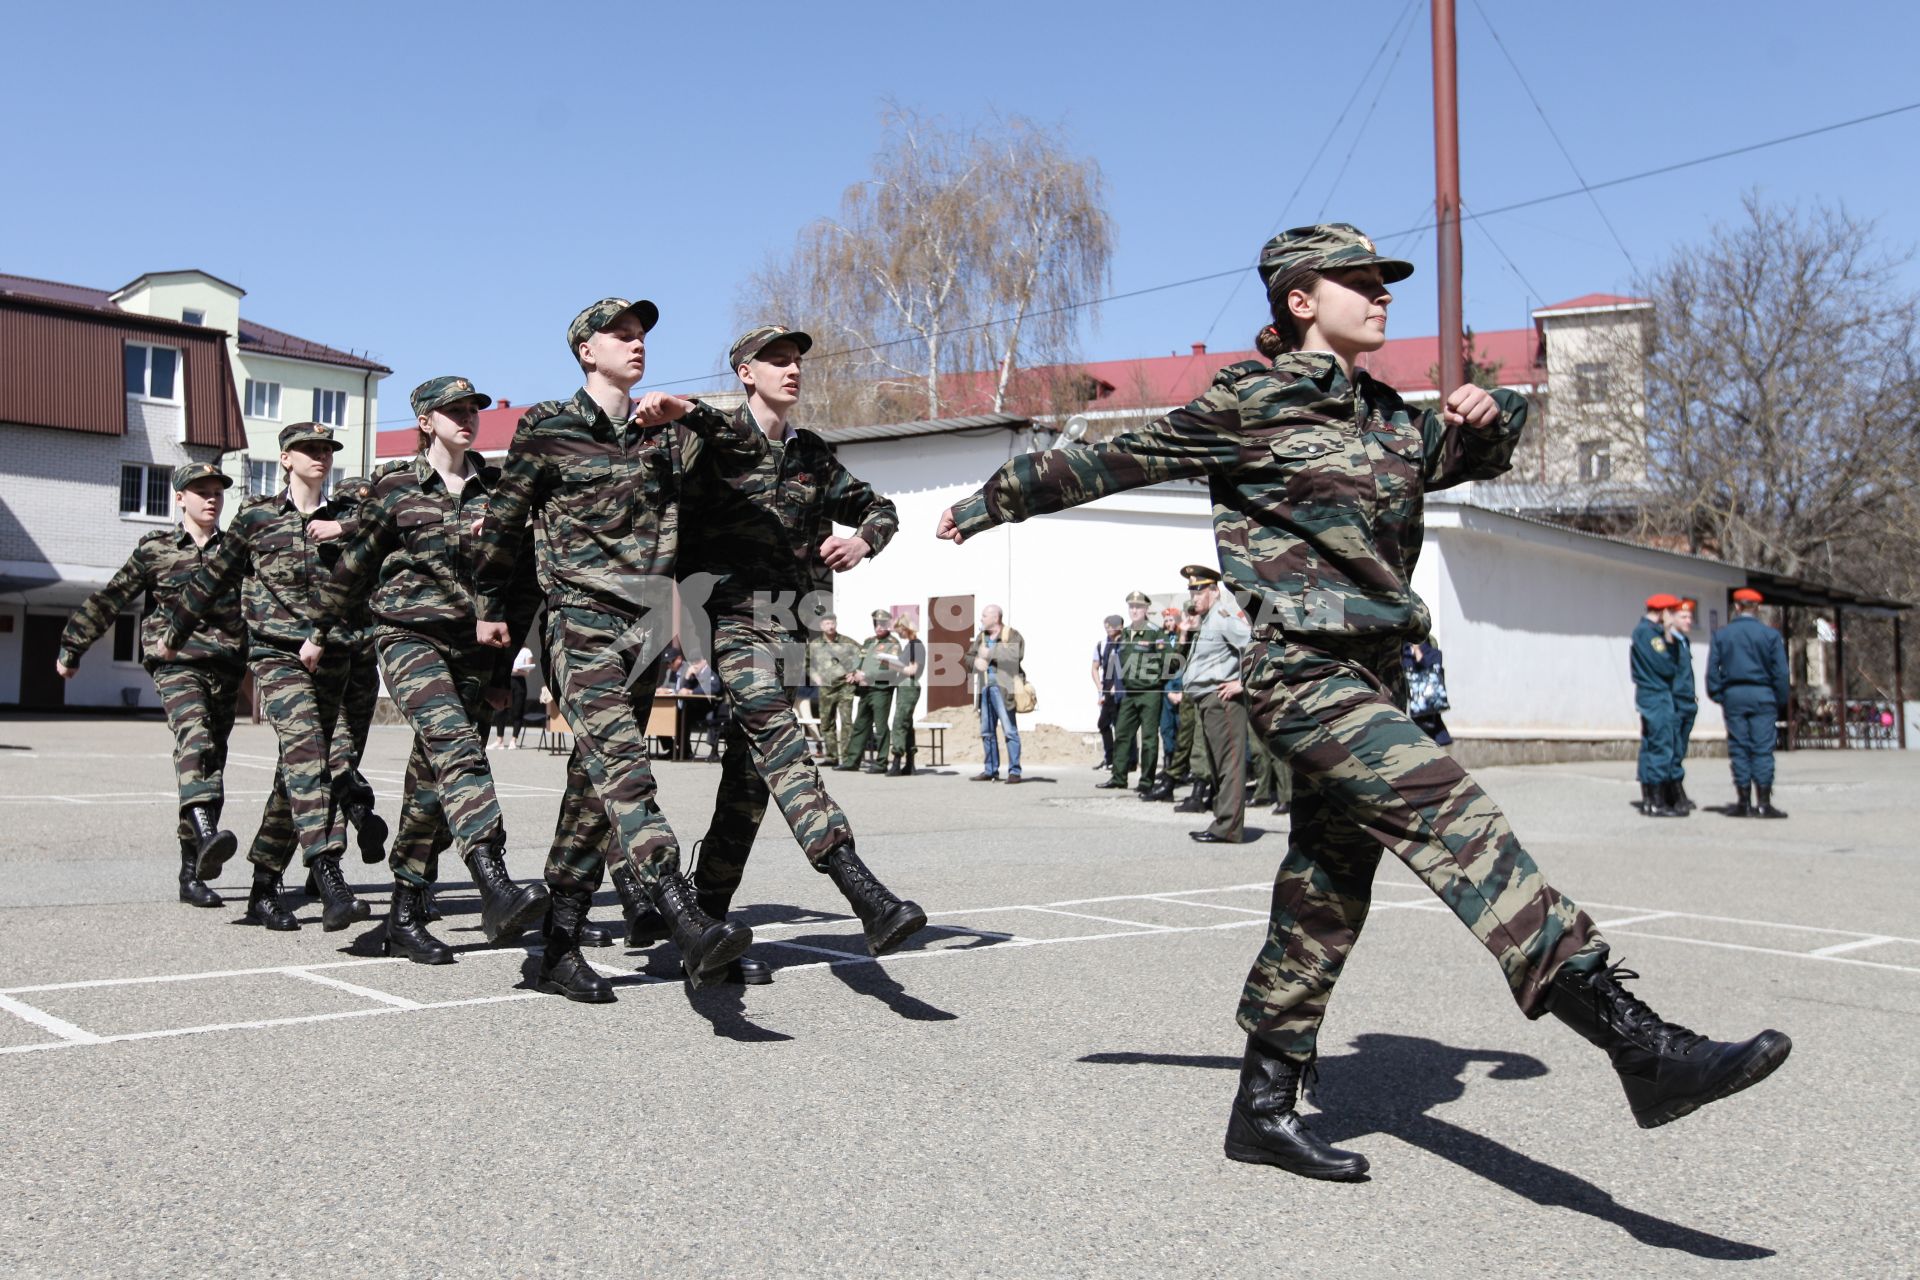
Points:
(446, 185)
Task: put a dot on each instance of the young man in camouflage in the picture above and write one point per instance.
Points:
(198, 686)
(1143, 656)
(831, 661)
(765, 532)
(1317, 474)
(272, 552)
(600, 478)
(873, 681)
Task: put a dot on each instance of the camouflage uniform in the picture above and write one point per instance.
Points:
(362, 695)
(604, 501)
(1145, 656)
(875, 698)
(199, 686)
(1317, 483)
(268, 546)
(906, 698)
(829, 662)
(417, 540)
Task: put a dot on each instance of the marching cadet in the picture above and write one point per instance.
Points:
(599, 476)
(410, 564)
(357, 703)
(831, 660)
(906, 699)
(1686, 701)
(1654, 666)
(1317, 473)
(1747, 676)
(272, 551)
(1142, 655)
(198, 686)
(873, 681)
(1212, 685)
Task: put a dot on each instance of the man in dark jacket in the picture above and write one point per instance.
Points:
(1747, 676)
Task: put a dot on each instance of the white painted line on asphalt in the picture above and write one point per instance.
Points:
(365, 993)
(68, 1033)
(1759, 924)
(1171, 900)
(1081, 915)
(1857, 944)
(1639, 919)
(1769, 951)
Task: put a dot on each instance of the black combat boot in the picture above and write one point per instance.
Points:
(644, 925)
(888, 920)
(590, 934)
(746, 971)
(263, 903)
(506, 909)
(1676, 797)
(211, 846)
(1199, 801)
(906, 769)
(370, 829)
(1742, 806)
(563, 970)
(893, 767)
(707, 946)
(1653, 801)
(193, 890)
(338, 907)
(1666, 1069)
(1264, 1128)
(406, 933)
(1161, 790)
(1763, 807)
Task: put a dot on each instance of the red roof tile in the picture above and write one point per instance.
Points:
(492, 436)
(1590, 300)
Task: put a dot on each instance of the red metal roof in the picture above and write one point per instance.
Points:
(493, 435)
(1590, 300)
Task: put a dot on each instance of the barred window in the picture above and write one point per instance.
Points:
(146, 489)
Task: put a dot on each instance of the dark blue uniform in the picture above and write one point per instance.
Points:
(1652, 664)
(1747, 676)
(1686, 702)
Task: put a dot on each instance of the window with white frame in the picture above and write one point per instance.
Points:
(189, 316)
(330, 407)
(263, 400)
(153, 373)
(1596, 460)
(1590, 383)
(146, 489)
(263, 476)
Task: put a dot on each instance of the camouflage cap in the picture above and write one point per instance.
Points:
(437, 393)
(184, 476)
(603, 313)
(1138, 597)
(308, 433)
(1331, 246)
(882, 617)
(759, 338)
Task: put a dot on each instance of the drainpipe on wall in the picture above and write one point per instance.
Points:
(366, 419)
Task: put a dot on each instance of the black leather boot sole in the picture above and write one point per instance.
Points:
(890, 930)
(719, 947)
(214, 854)
(372, 838)
(589, 988)
(526, 910)
(1757, 1059)
(1309, 1159)
(592, 935)
(335, 917)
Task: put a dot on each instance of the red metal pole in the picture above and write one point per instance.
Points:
(1446, 197)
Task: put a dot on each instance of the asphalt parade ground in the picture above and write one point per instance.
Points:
(1038, 1085)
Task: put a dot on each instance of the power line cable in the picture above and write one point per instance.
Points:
(1365, 120)
(1555, 135)
(1514, 266)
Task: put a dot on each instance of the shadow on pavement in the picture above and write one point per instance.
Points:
(1390, 1082)
(872, 980)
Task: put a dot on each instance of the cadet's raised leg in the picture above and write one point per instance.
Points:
(199, 702)
(356, 799)
(303, 708)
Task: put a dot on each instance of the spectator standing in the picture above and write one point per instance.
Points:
(994, 660)
(906, 698)
(1747, 676)
(1106, 680)
(514, 714)
(1212, 687)
(1143, 657)
(831, 661)
(875, 676)
(1651, 663)
(1686, 701)
(1426, 689)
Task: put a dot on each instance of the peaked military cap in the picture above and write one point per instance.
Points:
(1663, 600)
(308, 433)
(883, 616)
(1200, 575)
(1747, 595)
(437, 393)
(184, 476)
(758, 339)
(604, 312)
(1330, 246)
(1138, 597)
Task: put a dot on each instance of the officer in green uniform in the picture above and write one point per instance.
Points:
(1144, 651)
(831, 661)
(1317, 473)
(198, 687)
(1652, 663)
(875, 677)
(1747, 676)
(906, 700)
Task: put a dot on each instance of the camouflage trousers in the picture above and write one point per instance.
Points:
(303, 810)
(357, 702)
(605, 693)
(442, 690)
(1371, 781)
(869, 722)
(836, 717)
(1138, 720)
(199, 702)
(765, 756)
(906, 701)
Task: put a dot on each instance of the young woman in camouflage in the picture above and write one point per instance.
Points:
(198, 687)
(1317, 473)
(414, 555)
(272, 552)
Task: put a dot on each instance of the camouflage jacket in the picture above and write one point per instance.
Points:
(278, 567)
(160, 567)
(356, 629)
(830, 662)
(1317, 485)
(760, 528)
(412, 559)
(605, 505)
